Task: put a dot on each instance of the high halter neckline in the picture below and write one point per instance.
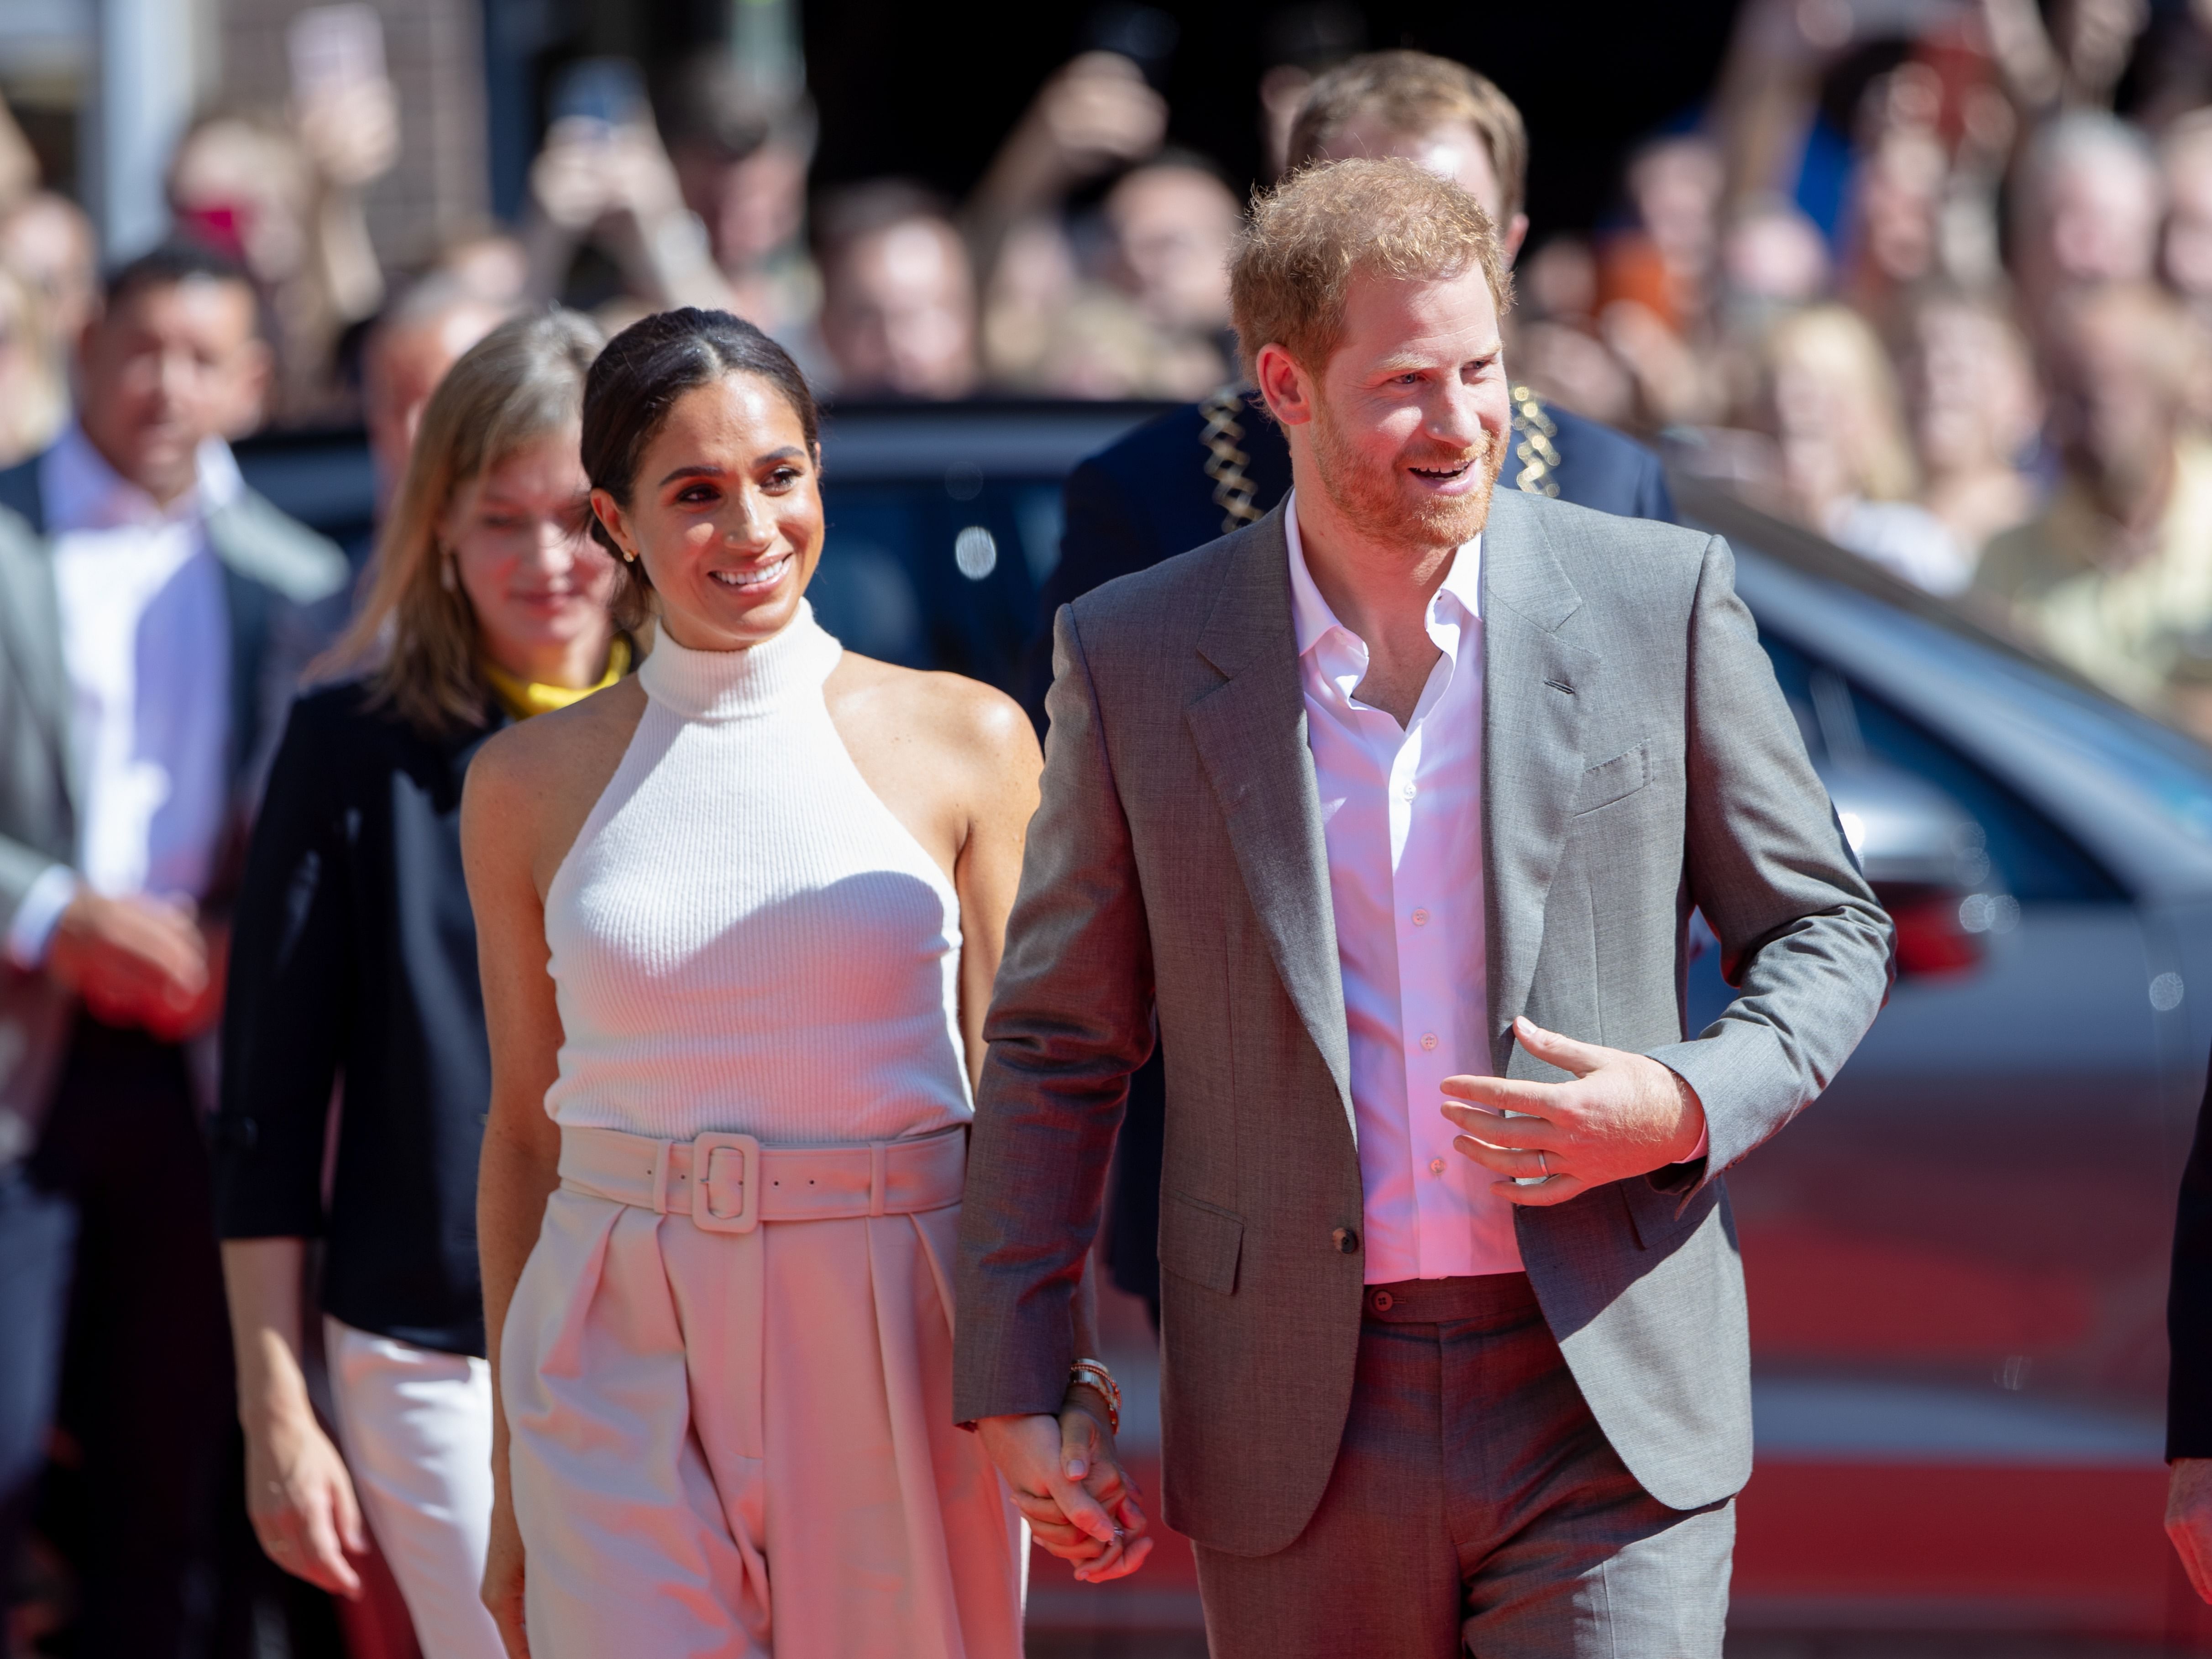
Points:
(727, 685)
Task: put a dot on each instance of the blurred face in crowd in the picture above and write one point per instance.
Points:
(751, 205)
(405, 362)
(2098, 216)
(249, 192)
(1405, 427)
(1173, 230)
(2189, 226)
(1900, 201)
(48, 242)
(726, 515)
(1676, 185)
(1974, 394)
(518, 534)
(1451, 149)
(2123, 370)
(898, 312)
(168, 367)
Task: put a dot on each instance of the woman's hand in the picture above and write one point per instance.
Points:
(301, 1502)
(1068, 1483)
(502, 1579)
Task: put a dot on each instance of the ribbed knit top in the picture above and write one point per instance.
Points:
(744, 938)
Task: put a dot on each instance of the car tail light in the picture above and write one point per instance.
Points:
(1937, 926)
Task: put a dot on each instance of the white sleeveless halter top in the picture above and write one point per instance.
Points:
(744, 938)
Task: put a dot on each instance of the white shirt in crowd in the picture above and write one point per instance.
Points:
(146, 641)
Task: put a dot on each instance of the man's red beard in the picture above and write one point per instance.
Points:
(1376, 502)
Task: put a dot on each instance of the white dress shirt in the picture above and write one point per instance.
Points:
(1401, 812)
(146, 642)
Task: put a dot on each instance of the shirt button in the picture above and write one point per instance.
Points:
(1428, 1039)
(1420, 918)
(1436, 1166)
(1410, 791)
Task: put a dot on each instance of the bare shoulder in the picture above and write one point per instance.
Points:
(956, 719)
(532, 784)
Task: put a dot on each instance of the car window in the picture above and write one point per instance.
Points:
(936, 573)
(2036, 861)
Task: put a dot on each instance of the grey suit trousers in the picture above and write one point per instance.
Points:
(1475, 1503)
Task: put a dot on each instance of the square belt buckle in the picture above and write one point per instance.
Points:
(705, 1214)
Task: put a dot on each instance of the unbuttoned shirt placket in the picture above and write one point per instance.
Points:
(1402, 816)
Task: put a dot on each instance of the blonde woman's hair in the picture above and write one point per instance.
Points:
(1837, 343)
(416, 632)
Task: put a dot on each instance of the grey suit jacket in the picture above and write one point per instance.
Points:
(1638, 761)
(275, 572)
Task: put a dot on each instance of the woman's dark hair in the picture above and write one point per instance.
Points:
(636, 381)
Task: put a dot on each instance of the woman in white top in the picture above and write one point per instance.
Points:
(739, 918)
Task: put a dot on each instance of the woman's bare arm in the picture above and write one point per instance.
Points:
(298, 1494)
(521, 1146)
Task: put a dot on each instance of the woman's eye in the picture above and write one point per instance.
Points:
(696, 495)
(782, 478)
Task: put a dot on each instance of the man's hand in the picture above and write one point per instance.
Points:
(1624, 1114)
(301, 1503)
(1068, 1483)
(2189, 1519)
(135, 960)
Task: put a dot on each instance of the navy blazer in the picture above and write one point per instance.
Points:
(1148, 497)
(354, 960)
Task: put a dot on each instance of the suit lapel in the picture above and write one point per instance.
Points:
(31, 620)
(1533, 687)
(1250, 732)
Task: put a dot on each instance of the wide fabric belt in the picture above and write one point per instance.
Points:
(731, 1183)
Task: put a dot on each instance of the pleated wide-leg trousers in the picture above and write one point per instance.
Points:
(741, 1443)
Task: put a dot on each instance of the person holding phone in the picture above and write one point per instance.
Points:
(355, 964)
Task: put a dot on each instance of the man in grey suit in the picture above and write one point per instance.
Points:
(1392, 810)
(154, 614)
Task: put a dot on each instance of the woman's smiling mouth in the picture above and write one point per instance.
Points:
(752, 576)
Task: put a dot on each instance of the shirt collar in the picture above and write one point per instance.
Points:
(1313, 619)
(81, 491)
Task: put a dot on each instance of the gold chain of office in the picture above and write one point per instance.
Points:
(1223, 435)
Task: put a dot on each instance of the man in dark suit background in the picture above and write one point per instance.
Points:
(1181, 480)
(154, 614)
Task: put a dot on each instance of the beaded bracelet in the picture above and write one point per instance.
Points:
(1093, 1372)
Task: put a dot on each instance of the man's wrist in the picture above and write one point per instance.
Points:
(38, 914)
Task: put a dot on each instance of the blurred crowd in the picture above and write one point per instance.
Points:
(1932, 279)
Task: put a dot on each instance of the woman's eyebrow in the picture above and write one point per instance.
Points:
(690, 472)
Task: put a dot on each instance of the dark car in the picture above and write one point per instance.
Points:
(1958, 1258)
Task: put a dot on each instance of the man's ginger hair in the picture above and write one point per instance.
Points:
(1413, 93)
(1311, 234)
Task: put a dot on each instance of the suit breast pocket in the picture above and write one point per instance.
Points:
(1201, 1242)
(1613, 780)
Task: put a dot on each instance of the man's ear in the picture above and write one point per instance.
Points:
(256, 371)
(1515, 234)
(1282, 386)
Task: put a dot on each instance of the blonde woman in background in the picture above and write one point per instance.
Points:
(354, 964)
(1847, 466)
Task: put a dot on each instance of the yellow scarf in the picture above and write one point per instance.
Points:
(523, 698)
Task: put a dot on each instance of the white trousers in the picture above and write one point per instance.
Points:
(415, 1428)
(730, 1445)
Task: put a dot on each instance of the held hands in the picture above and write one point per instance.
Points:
(301, 1503)
(1622, 1114)
(1068, 1483)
